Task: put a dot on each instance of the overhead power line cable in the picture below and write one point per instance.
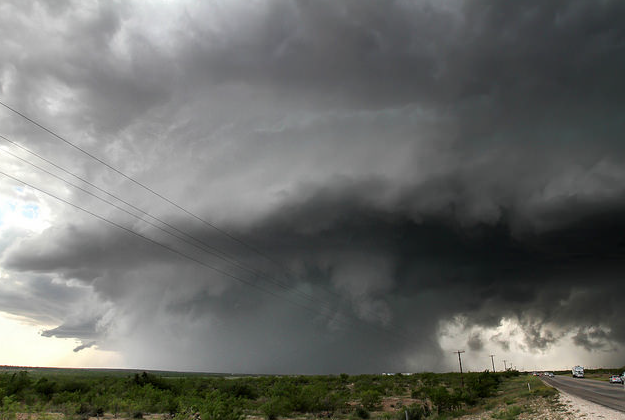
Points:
(166, 199)
(188, 257)
(157, 243)
(211, 250)
(138, 183)
(159, 195)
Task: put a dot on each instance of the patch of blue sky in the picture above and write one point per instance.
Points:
(30, 211)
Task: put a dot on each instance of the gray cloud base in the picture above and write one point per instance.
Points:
(403, 155)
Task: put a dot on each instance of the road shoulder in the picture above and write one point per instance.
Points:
(581, 408)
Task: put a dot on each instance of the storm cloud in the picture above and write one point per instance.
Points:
(388, 170)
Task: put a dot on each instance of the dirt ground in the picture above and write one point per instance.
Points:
(565, 407)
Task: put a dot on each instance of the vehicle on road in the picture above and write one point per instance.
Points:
(549, 374)
(615, 379)
(578, 372)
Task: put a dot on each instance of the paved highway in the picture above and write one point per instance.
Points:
(604, 393)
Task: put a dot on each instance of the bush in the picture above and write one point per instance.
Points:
(19, 382)
(215, 405)
(45, 387)
(239, 390)
(430, 379)
(482, 385)
(87, 410)
(510, 413)
(370, 399)
(544, 392)
(275, 407)
(413, 412)
(361, 412)
(440, 398)
(9, 408)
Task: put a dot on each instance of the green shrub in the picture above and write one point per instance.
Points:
(275, 407)
(510, 413)
(482, 385)
(8, 408)
(238, 390)
(19, 382)
(361, 412)
(440, 398)
(370, 399)
(413, 412)
(544, 392)
(45, 387)
(430, 379)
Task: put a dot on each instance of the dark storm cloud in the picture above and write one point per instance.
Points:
(592, 338)
(84, 330)
(508, 55)
(98, 246)
(39, 297)
(487, 271)
(408, 162)
(416, 266)
(475, 342)
(84, 346)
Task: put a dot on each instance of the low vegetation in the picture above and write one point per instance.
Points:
(77, 394)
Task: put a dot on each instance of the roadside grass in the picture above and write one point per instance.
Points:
(597, 376)
(513, 398)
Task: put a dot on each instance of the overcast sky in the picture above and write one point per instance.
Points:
(352, 186)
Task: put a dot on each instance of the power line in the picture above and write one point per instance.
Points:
(211, 250)
(157, 243)
(188, 212)
(188, 257)
(260, 274)
(166, 199)
(140, 184)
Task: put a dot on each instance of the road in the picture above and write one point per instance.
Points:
(604, 393)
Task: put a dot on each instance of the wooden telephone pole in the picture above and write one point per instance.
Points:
(460, 362)
(493, 362)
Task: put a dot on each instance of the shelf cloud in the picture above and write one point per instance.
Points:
(379, 168)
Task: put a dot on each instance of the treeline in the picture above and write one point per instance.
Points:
(211, 398)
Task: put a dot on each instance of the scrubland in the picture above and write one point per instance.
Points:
(83, 394)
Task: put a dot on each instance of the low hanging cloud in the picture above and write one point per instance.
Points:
(402, 164)
(84, 346)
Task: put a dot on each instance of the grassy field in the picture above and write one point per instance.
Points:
(80, 394)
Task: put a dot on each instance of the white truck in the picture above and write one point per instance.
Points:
(578, 372)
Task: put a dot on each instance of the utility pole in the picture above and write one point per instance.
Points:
(504, 365)
(460, 362)
(493, 362)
